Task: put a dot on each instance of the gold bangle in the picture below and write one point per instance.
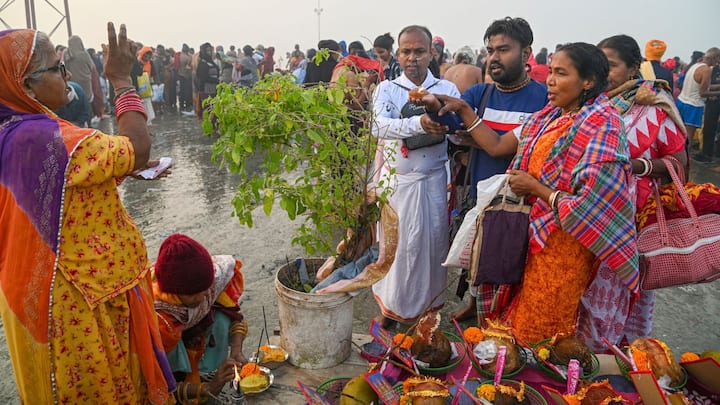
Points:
(178, 392)
(240, 328)
(185, 393)
(200, 395)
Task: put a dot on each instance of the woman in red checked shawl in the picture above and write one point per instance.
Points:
(75, 288)
(573, 157)
(654, 130)
(573, 162)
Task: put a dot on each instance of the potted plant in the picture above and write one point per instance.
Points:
(316, 160)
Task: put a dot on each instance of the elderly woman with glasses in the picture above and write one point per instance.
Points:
(75, 292)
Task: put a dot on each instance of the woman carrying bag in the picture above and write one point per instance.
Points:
(572, 161)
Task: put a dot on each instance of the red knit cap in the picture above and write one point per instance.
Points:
(183, 266)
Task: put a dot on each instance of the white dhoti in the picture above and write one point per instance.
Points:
(416, 281)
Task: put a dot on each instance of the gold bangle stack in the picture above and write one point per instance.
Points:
(201, 393)
(183, 397)
(239, 327)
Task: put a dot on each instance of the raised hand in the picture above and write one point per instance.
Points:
(119, 55)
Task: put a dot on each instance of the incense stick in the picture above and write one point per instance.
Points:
(265, 326)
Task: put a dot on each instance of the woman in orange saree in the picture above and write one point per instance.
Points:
(75, 296)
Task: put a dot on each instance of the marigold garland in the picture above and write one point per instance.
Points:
(473, 335)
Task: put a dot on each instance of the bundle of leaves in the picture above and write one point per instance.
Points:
(316, 155)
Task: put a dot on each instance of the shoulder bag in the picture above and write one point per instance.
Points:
(502, 240)
(679, 251)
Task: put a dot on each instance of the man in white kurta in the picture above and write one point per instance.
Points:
(416, 281)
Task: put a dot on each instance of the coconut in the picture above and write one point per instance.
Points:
(660, 358)
(563, 348)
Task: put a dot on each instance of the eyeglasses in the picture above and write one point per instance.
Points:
(59, 67)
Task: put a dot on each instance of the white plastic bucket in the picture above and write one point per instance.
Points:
(315, 329)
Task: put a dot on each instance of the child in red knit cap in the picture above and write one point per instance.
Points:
(196, 300)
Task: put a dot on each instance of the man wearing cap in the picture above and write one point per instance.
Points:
(196, 300)
(652, 69)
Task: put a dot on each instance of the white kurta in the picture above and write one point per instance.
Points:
(416, 280)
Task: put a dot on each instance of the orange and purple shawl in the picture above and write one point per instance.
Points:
(35, 150)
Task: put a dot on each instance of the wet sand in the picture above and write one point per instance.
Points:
(196, 200)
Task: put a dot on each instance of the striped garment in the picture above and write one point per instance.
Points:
(599, 212)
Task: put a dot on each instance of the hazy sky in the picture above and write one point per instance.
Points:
(685, 25)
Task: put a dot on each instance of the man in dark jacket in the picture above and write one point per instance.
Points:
(317, 73)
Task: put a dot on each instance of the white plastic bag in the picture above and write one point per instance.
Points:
(461, 249)
(158, 93)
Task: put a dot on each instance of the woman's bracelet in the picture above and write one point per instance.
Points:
(239, 328)
(200, 394)
(552, 198)
(129, 101)
(647, 167)
(475, 124)
(120, 91)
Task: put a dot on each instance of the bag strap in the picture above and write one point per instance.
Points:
(408, 89)
(680, 189)
(480, 112)
(679, 168)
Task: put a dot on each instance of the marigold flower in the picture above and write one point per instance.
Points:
(473, 335)
(689, 356)
(544, 353)
(486, 391)
(403, 340)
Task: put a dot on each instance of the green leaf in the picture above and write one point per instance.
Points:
(268, 202)
(314, 136)
(235, 154)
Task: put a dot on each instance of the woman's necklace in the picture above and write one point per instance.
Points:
(510, 89)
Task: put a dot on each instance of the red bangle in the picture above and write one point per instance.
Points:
(129, 101)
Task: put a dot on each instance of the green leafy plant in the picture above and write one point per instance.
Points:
(316, 155)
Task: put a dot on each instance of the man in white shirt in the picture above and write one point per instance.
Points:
(416, 281)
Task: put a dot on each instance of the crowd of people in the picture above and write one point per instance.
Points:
(104, 325)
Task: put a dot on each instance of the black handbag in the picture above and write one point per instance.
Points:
(413, 110)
